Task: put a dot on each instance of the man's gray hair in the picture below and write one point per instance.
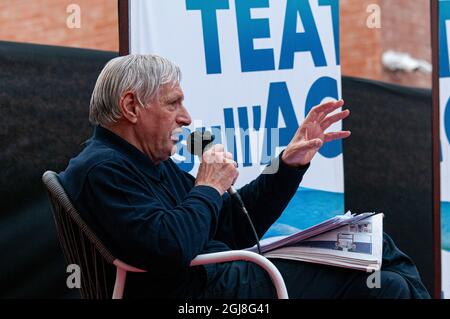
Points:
(138, 73)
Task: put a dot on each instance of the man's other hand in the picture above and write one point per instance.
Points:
(218, 169)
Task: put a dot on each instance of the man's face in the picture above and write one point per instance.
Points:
(160, 122)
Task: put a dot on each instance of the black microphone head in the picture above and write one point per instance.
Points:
(197, 142)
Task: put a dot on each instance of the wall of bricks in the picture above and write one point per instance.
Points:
(405, 28)
(360, 46)
(44, 22)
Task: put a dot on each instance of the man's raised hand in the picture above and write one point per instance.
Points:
(311, 135)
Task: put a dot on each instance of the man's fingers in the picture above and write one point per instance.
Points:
(228, 158)
(318, 112)
(336, 135)
(230, 161)
(235, 178)
(215, 154)
(330, 109)
(330, 120)
(217, 148)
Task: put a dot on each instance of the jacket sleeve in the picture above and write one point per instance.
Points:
(265, 199)
(141, 230)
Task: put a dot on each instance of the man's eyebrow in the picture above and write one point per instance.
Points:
(174, 96)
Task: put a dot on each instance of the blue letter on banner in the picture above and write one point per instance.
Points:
(210, 30)
(447, 120)
(444, 15)
(298, 42)
(334, 4)
(322, 88)
(249, 29)
(279, 101)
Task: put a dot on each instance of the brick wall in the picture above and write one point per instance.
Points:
(44, 22)
(360, 46)
(405, 27)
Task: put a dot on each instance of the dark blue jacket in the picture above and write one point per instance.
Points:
(153, 217)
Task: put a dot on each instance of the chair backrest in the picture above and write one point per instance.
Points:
(79, 243)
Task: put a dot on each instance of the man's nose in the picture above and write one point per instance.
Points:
(184, 118)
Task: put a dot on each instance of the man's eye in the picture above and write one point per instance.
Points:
(173, 105)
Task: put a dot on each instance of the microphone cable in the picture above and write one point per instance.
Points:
(197, 142)
(235, 195)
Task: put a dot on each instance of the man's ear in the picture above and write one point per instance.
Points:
(129, 106)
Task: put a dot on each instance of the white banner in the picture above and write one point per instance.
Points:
(444, 84)
(249, 67)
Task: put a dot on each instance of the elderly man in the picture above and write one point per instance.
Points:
(153, 215)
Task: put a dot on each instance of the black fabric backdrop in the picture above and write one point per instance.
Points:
(388, 163)
(44, 98)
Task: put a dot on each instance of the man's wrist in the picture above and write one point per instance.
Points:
(220, 191)
(292, 165)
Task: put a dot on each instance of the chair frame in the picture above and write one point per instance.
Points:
(59, 198)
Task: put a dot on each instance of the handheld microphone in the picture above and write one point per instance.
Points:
(197, 143)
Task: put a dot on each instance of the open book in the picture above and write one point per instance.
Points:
(350, 241)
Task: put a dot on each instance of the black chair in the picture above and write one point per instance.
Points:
(83, 248)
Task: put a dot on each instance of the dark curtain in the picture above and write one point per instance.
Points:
(388, 164)
(44, 105)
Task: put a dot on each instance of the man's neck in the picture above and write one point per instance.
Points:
(128, 134)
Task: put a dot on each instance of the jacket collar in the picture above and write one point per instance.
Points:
(141, 160)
